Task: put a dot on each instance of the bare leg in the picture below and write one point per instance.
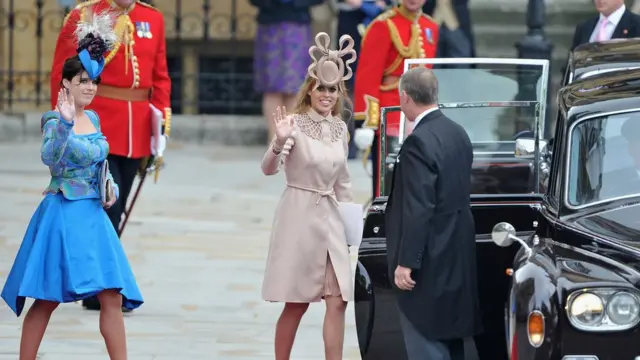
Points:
(33, 328)
(270, 101)
(333, 328)
(289, 100)
(287, 327)
(112, 324)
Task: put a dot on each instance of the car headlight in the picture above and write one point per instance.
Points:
(587, 309)
(603, 309)
(623, 308)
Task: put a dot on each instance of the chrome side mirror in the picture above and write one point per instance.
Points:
(504, 234)
(526, 147)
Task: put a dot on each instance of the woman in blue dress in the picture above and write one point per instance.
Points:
(70, 250)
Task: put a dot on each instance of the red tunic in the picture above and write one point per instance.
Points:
(390, 39)
(140, 68)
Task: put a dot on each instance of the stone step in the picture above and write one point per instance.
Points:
(492, 35)
(513, 12)
(558, 56)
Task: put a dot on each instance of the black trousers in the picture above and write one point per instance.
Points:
(454, 44)
(420, 348)
(123, 170)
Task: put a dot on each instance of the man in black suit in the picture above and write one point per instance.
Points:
(456, 36)
(614, 21)
(431, 248)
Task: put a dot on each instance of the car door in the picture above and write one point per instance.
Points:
(501, 101)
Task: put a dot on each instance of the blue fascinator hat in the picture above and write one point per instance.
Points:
(95, 37)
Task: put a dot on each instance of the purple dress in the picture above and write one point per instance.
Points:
(281, 52)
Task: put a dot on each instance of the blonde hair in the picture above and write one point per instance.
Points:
(303, 99)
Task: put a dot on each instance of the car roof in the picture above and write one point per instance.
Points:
(616, 90)
(617, 53)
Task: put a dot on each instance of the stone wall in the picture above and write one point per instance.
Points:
(31, 56)
(498, 24)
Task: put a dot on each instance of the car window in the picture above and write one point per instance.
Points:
(604, 159)
(494, 83)
(496, 101)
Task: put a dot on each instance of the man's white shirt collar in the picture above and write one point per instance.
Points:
(606, 33)
(425, 113)
(615, 17)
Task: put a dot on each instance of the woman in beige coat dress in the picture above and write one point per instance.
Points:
(308, 254)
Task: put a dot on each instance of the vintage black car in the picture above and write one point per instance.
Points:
(600, 57)
(558, 268)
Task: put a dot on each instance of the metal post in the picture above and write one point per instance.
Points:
(534, 45)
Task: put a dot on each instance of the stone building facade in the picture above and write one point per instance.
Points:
(209, 55)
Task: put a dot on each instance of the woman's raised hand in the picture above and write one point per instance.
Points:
(66, 105)
(284, 125)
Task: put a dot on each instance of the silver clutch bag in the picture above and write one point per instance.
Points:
(106, 188)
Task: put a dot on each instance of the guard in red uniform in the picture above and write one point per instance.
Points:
(133, 98)
(403, 32)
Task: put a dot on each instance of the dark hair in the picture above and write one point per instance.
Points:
(72, 67)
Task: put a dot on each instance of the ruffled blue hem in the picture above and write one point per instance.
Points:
(70, 252)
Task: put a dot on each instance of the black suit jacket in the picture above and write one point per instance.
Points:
(628, 27)
(430, 229)
(461, 9)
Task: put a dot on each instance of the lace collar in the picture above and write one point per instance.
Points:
(310, 123)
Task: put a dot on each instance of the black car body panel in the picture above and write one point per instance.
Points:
(379, 331)
(597, 57)
(565, 250)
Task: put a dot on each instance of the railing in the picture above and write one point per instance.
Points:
(209, 54)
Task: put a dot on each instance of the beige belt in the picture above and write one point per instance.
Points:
(321, 193)
(124, 94)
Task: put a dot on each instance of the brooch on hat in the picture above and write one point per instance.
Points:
(95, 37)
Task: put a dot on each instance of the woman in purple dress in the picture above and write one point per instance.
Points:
(281, 53)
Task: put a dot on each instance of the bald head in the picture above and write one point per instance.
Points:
(421, 85)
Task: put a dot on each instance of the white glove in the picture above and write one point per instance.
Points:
(158, 145)
(363, 138)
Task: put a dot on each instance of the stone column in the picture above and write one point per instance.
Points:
(190, 69)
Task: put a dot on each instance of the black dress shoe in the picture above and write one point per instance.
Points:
(91, 303)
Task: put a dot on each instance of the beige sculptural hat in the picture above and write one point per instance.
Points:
(329, 68)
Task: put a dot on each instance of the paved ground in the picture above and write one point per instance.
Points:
(197, 243)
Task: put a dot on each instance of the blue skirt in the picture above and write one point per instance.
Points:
(69, 252)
